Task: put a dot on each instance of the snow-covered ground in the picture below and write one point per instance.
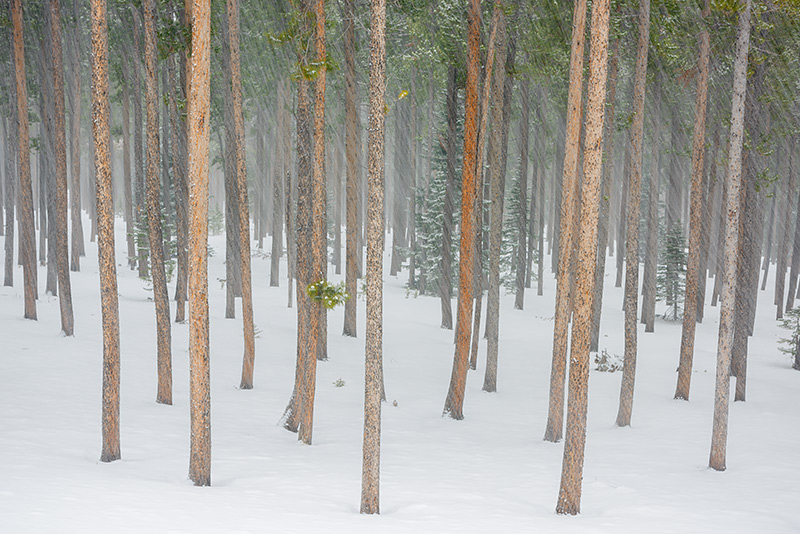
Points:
(489, 473)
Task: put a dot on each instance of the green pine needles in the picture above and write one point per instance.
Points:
(329, 295)
(671, 278)
(791, 345)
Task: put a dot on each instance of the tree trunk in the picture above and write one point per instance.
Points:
(569, 187)
(178, 132)
(130, 221)
(199, 12)
(695, 217)
(623, 203)
(155, 211)
(780, 269)
(352, 157)
(74, 142)
(719, 433)
(277, 211)
(101, 119)
(243, 206)
(60, 150)
(455, 395)
(10, 127)
(634, 199)
(142, 245)
(651, 255)
(370, 472)
(497, 169)
(569, 495)
(522, 217)
(605, 199)
(446, 277)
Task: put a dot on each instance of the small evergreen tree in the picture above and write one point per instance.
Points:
(791, 345)
(671, 279)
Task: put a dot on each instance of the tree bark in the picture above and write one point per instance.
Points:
(370, 477)
(522, 217)
(350, 327)
(243, 206)
(101, 118)
(60, 151)
(446, 277)
(455, 395)
(139, 197)
(695, 217)
(74, 143)
(651, 248)
(129, 202)
(569, 187)
(719, 432)
(605, 199)
(199, 12)
(154, 211)
(569, 495)
(634, 199)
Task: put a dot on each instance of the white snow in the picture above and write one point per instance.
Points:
(491, 472)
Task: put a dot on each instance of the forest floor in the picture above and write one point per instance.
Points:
(491, 472)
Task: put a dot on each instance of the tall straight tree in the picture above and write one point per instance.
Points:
(126, 163)
(719, 431)
(497, 164)
(569, 495)
(77, 249)
(351, 147)
(370, 473)
(27, 231)
(199, 122)
(650, 273)
(241, 179)
(153, 193)
(634, 201)
(101, 119)
(569, 185)
(458, 380)
(522, 217)
(60, 151)
(605, 199)
(695, 215)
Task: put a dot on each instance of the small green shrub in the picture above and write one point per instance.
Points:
(329, 295)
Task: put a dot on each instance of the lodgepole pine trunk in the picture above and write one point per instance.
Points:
(370, 472)
(719, 432)
(60, 152)
(634, 198)
(101, 119)
(649, 284)
(243, 206)
(569, 187)
(76, 221)
(352, 157)
(154, 210)
(569, 495)
(199, 12)
(695, 217)
(130, 221)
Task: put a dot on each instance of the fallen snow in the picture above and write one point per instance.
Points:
(491, 472)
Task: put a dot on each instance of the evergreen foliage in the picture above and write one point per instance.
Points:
(671, 279)
(791, 345)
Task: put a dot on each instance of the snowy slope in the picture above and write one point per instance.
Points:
(490, 472)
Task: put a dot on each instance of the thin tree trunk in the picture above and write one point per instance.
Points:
(501, 91)
(154, 211)
(522, 217)
(634, 199)
(446, 277)
(199, 12)
(277, 214)
(351, 147)
(455, 395)
(569, 495)
(74, 143)
(370, 472)
(130, 221)
(142, 246)
(243, 206)
(780, 270)
(569, 187)
(651, 255)
(695, 218)
(623, 203)
(719, 432)
(181, 197)
(101, 119)
(10, 162)
(60, 150)
(605, 199)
